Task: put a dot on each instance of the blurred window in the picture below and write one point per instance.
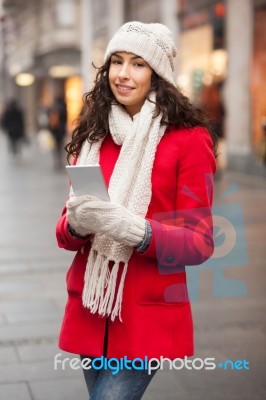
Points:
(143, 10)
(66, 13)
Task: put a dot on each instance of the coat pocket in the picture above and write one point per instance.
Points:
(166, 286)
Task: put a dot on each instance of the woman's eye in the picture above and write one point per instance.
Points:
(139, 65)
(116, 61)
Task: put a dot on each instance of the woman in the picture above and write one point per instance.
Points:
(127, 283)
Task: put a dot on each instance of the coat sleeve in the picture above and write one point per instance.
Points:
(184, 236)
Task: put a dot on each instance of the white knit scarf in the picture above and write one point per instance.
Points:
(130, 186)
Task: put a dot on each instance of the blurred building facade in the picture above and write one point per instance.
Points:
(221, 46)
(41, 54)
(222, 54)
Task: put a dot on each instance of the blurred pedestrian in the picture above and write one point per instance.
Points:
(13, 123)
(127, 284)
(212, 103)
(58, 127)
(43, 117)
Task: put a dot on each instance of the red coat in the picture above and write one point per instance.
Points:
(156, 312)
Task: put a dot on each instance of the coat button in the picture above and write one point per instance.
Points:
(170, 259)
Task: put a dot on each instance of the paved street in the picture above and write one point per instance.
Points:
(32, 294)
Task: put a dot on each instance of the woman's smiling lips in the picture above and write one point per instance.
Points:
(123, 89)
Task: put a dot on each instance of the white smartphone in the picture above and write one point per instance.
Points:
(88, 179)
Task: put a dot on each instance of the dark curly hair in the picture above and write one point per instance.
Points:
(92, 124)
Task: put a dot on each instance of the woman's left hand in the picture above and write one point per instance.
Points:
(109, 219)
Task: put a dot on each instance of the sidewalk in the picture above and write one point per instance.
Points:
(33, 295)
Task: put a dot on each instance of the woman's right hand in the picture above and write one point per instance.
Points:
(78, 215)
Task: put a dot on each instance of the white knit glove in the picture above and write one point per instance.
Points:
(77, 222)
(87, 214)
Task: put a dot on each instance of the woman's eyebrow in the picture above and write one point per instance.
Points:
(132, 58)
(116, 55)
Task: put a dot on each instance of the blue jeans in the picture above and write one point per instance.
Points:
(125, 385)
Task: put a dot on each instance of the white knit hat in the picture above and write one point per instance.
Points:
(152, 42)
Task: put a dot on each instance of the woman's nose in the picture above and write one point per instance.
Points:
(124, 72)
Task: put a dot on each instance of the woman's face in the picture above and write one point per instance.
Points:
(130, 80)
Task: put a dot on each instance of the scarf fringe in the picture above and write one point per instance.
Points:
(100, 286)
(95, 280)
(118, 304)
(107, 302)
